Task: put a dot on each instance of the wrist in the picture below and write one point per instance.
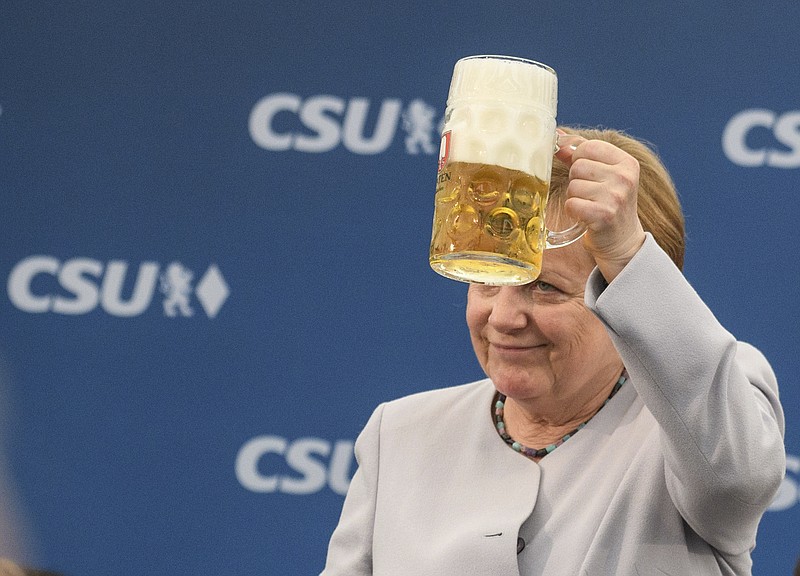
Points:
(610, 265)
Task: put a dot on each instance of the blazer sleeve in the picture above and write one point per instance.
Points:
(715, 399)
(350, 546)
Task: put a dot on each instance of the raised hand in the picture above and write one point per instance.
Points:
(602, 190)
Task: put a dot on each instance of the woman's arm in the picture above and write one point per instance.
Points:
(716, 400)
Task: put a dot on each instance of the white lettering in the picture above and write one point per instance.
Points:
(306, 458)
(247, 463)
(111, 295)
(339, 472)
(787, 132)
(300, 458)
(789, 492)
(734, 138)
(80, 285)
(325, 122)
(356, 118)
(261, 116)
(785, 129)
(72, 278)
(326, 129)
(21, 278)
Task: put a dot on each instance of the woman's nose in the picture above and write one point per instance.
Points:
(510, 309)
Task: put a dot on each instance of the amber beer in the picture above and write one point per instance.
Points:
(483, 210)
(494, 172)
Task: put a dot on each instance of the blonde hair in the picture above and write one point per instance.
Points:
(10, 568)
(658, 204)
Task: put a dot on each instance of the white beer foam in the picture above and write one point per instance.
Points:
(502, 112)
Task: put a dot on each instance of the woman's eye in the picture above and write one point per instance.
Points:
(541, 286)
(484, 290)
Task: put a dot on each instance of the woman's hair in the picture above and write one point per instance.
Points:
(11, 568)
(658, 205)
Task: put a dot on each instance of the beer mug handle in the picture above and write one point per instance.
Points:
(565, 237)
(577, 230)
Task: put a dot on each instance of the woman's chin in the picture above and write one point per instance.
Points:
(519, 384)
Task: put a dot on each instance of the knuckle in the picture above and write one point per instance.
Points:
(632, 167)
(579, 168)
(594, 147)
(627, 179)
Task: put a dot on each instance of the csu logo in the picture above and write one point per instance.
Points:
(41, 284)
(759, 137)
(789, 493)
(302, 466)
(283, 121)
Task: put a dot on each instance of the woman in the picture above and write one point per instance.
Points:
(621, 431)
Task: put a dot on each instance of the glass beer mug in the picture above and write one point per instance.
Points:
(495, 159)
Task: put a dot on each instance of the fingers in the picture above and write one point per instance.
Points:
(572, 147)
(618, 173)
(601, 154)
(566, 145)
(602, 190)
(603, 173)
(599, 172)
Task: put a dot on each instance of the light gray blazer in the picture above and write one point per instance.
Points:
(671, 477)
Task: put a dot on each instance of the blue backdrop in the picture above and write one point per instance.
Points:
(214, 237)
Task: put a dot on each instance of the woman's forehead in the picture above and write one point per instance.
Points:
(570, 262)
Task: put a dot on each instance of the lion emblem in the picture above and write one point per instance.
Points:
(176, 285)
(418, 124)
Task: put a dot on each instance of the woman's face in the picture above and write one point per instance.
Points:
(540, 340)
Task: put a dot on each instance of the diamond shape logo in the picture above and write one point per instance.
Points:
(212, 291)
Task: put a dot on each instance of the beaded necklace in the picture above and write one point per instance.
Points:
(499, 409)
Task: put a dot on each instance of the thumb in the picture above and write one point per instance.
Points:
(566, 144)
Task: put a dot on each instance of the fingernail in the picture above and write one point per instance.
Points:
(563, 141)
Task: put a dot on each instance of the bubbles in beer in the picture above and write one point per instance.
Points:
(488, 223)
(484, 186)
(463, 222)
(502, 222)
(534, 234)
(447, 194)
(525, 195)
